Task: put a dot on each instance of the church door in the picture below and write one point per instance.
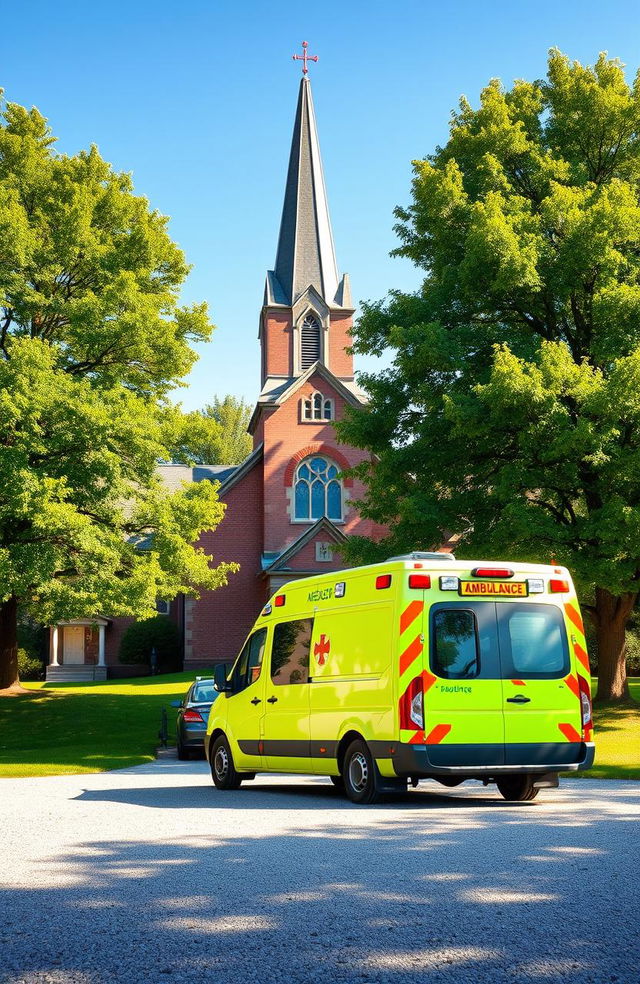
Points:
(73, 651)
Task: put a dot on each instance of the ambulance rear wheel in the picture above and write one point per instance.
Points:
(338, 782)
(518, 788)
(360, 774)
(223, 771)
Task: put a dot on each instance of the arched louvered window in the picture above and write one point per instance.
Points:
(317, 407)
(317, 489)
(309, 341)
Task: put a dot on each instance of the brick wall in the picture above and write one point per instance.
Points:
(218, 622)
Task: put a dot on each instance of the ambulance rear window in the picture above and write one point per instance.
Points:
(455, 644)
(533, 641)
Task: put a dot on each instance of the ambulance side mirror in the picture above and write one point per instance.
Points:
(220, 682)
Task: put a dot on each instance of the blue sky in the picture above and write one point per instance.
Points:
(197, 100)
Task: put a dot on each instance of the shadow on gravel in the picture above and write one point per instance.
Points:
(385, 896)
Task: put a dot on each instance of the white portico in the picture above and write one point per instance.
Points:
(77, 650)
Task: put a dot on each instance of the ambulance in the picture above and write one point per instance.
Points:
(422, 667)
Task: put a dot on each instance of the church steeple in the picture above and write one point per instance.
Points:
(306, 254)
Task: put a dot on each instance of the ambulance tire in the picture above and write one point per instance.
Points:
(338, 782)
(518, 788)
(223, 771)
(360, 774)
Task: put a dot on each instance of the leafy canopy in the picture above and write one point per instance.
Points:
(216, 435)
(510, 412)
(92, 338)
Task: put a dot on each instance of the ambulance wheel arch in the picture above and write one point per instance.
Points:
(346, 740)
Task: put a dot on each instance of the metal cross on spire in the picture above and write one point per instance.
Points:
(304, 57)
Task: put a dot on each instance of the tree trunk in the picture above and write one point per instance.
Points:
(9, 643)
(611, 616)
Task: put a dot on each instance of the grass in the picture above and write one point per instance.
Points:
(617, 737)
(90, 727)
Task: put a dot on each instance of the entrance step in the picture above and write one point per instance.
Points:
(75, 673)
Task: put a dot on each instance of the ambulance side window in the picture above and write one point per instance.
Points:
(454, 653)
(249, 664)
(290, 652)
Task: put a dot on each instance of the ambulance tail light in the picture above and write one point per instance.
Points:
(558, 586)
(585, 707)
(412, 706)
(383, 581)
(419, 580)
(492, 572)
(279, 601)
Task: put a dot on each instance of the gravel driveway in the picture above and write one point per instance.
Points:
(149, 874)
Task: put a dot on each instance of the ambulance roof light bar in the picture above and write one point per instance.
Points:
(422, 555)
(492, 572)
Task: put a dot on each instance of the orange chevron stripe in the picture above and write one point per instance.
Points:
(412, 651)
(518, 683)
(436, 735)
(570, 732)
(573, 685)
(428, 680)
(417, 739)
(409, 615)
(574, 616)
(582, 656)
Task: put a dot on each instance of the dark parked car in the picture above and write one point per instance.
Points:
(191, 723)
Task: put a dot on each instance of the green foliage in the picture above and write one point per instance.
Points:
(511, 412)
(33, 637)
(216, 435)
(92, 338)
(158, 632)
(29, 667)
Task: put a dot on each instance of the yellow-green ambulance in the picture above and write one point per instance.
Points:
(424, 666)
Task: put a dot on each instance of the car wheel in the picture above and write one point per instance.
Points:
(223, 771)
(183, 754)
(360, 774)
(518, 788)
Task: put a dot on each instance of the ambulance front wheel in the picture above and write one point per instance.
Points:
(517, 787)
(223, 771)
(360, 774)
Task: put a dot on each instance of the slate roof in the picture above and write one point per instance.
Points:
(174, 475)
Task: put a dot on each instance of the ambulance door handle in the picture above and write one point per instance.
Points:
(272, 700)
(519, 699)
(256, 700)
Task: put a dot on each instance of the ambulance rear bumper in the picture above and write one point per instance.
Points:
(491, 760)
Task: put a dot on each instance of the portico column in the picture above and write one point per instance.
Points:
(101, 661)
(54, 646)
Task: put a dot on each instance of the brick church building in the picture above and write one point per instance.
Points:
(288, 507)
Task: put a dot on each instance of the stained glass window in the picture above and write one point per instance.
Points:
(317, 490)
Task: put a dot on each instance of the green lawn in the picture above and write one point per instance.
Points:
(88, 727)
(92, 727)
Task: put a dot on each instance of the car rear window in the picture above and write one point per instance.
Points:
(533, 641)
(204, 693)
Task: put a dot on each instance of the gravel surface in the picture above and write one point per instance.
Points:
(151, 875)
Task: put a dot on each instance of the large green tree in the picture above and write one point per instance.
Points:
(216, 435)
(92, 338)
(510, 414)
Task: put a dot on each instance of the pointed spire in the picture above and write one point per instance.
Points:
(306, 253)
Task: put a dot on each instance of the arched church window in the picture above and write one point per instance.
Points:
(317, 489)
(309, 341)
(317, 407)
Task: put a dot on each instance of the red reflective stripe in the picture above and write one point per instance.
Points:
(428, 680)
(573, 685)
(574, 616)
(410, 613)
(438, 733)
(410, 653)
(518, 683)
(417, 739)
(581, 654)
(570, 732)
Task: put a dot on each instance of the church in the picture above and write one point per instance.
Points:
(288, 506)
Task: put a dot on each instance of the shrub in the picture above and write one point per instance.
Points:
(29, 667)
(158, 632)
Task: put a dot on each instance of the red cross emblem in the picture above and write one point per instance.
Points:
(321, 649)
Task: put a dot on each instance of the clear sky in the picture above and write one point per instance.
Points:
(197, 100)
